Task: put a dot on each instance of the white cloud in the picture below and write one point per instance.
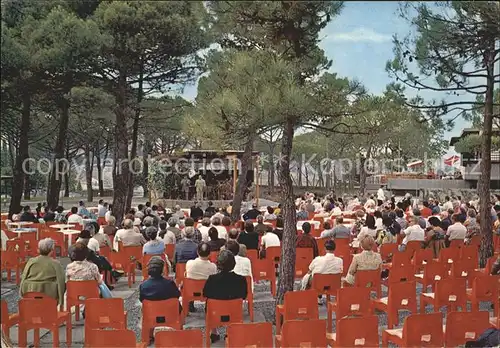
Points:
(360, 35)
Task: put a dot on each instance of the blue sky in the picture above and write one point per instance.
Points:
(359, 42)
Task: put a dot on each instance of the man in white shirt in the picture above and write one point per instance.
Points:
(243, 265)
(205, 226)
(327, 264)
(74, 218)
(101, 209)
(413, 231)
(269, 239)
(447, 205)
(201, 267)
(128, 236)
(381, 195)
(221, 229)
(457, 230)
(108, 213)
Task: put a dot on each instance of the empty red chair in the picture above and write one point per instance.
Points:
(77, 292)
(448, 256)
(401, 297)
(301, 305)
(258, 335)
(465, 268)
(42, 313)
(355, 332)
(484, 288)
(192, 290)
(470, 252)
(464, 326)
(419, 330)
(450, 292)
(263, 269)
(303, 259)
(420, 256)
(401, 258)
(302, 333)
(222, 313)
(113, 338)
(388, 250)
(433, 272)
(326, 284)
(121, 261)
(349, 302)
(179, 339)
(160, 313)
(8, 320)
(368, 279)
(104, 313)
(274, 254)
(400, 274)
(252, 255)
(10, 260)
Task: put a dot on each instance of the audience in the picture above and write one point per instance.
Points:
(216, 222)
(243, 265)
(165, 234)
(305, 240)
(44, 274)
(206, 223)
(413, 232)
(252, 213)
(157, 287)
(260, 227)
(153, 245)
(201, 267)
(215, 242)
(367, 260)
(172, 227)
(327, 264)
(457, 230)
(186, 249)
(249, 237)
(128, 235)
(74, 218)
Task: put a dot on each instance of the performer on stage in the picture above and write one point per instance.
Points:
(185, 187)
(200, 188)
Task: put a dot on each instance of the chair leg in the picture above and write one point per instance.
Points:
(69, 331)
(36, 337)
(328, 319)
(208, 330)
(278, 322)
(144, 332)
(55, 336)
(77, 311)
(22, 336)
(385, 339)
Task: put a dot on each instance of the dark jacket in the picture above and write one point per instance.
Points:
(28, 217)
(251, 214)
(225, 286)
(215, 245)
(185, 250)
(251, 240)
(196, 213)
(210, 211)
(158, 289)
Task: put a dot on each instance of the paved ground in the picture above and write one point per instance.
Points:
(263, 308)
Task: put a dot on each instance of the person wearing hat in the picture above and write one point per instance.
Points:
(225, 285)
(252, 213)
(327, 264)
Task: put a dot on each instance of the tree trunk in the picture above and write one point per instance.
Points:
(362, 172)
(121, 172)
(27, 183)
(145, 167)
(271, 171)
(241, 184)
(287, 264)
(67, 175)
(88, 175)
(99, 170)
(486, 247)
(22, 155)
(59, 167)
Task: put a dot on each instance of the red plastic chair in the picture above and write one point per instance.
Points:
(450, 292)
(274, 254)
(302, 333)
(249, 298)
(456, 243)
(104, 313)
(31, 241)
(413, 246)
(261, 335)
(464, 326)
(433, 272)
(484, 288)
(401, 297)
(113, 338)
(346, 256)
(470, 252)
(419, 330)
(170, 251)
(301, 305)
(449, 255)
(160, 313)
(180, 273)
(145, 260)
(465, 268)
(77, 292)
(388, 250)
(326, 284)
(303, 259)
(400, 274)
(179, 339)
(368, 279)
(41, 313)
(355, 332)
(264, 270)
(192, 290)
(222, 313)
(121, 261)
(8, 320)
(11, 261)
(401, 258)
(349, 302)
(252, 255)
(420, 256)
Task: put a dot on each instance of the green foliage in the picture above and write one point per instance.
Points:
(472, 143)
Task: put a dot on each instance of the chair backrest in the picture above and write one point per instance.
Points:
(161, 313)
(192, 289)
(475, 240)
(179, 339)
(252, 255)
(104, 313)
(301, 305)
(368, 279)
(402, 296)
(274, 253)
(170, 250)
(224, 312)
(413, 246)
(303, 259)
(238, 335)
(434, 271)
(326, 284)
(353, 302)
(145, 261)
(457, 243)
(464, 268)
(35, 295)
(470, 252)
(134, 251)
(402, 258)
(451, 290)
(485, 287)
(358, 332)
(423, 330)
(420, 256)
(105, 251)
(304, 333)
(401, 274)
(37, 311)
(5, 312)
(446, 254)
(263, 269)
(180, 272)
(110, 338)
(79, 290)
(213, 256)
(465, 326)
(9, 258)
(388, 250)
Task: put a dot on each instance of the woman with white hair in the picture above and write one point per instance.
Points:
(44, 274)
